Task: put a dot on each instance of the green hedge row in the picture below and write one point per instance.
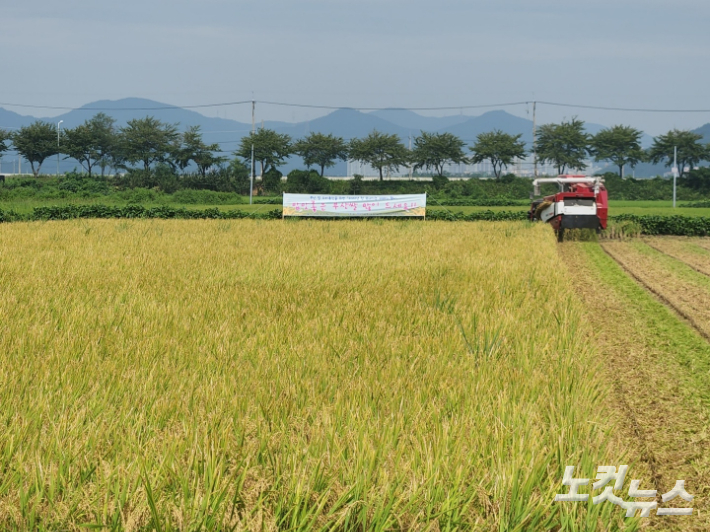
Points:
(269, 201)
(668, 225)
(68, 212)
(479, 216)
(698, 204)
(650, 224)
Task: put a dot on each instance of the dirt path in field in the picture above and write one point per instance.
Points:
(688, 295)
(691, 251)
(663, 423)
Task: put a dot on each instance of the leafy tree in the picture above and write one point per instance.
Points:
(621, 145)
(499, 148)
(5, 139)
(690, 150)
(380, 150)
(36, 142)
(148, 140)
(434, 150)
(91, 143)
(565, 145)
(103, 130)
(270, 148)
(77, 144)
(321, 150)
(194, 149)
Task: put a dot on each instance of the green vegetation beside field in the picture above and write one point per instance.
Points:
(235, 201)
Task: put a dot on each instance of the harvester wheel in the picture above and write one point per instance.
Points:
(561, 234)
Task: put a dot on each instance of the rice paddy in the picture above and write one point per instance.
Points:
(247, 375)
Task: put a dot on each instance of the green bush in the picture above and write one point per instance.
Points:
(271, 181)
(233, 178)
(68, 212)
(668, 225)
(307, 182)
(140, 195)
(205, 197)
(698, 179)
(488, 216)
(355, 185)
(439, 181)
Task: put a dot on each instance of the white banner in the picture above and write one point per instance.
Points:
(346, 206)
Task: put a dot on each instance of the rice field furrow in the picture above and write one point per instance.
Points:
(687, 250)
(676, 284)
(660, 370)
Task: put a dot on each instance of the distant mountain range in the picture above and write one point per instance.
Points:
(346, 123)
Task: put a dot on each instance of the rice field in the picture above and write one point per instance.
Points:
(247, 375)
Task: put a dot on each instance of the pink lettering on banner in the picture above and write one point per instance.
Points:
(387, 205)
(322, 206)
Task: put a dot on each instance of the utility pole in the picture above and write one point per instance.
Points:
(253, 130)
(534, 142)
(251, 181)
(58, 124)
(675, 170)
(410, 150)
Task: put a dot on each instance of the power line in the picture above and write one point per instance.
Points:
(160, 108)
(626, 109)
(358, 108)
(343, 108)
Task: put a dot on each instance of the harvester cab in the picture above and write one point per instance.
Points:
(580, 203)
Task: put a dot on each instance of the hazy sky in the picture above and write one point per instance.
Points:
(363, 53)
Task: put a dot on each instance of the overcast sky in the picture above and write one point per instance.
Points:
(363, 53)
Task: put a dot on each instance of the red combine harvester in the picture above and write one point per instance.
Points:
(581, 203)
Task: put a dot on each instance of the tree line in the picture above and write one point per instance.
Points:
(146, 142)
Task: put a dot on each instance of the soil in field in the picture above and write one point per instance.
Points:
(678, 284)
(695, 252)
(660, 371)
